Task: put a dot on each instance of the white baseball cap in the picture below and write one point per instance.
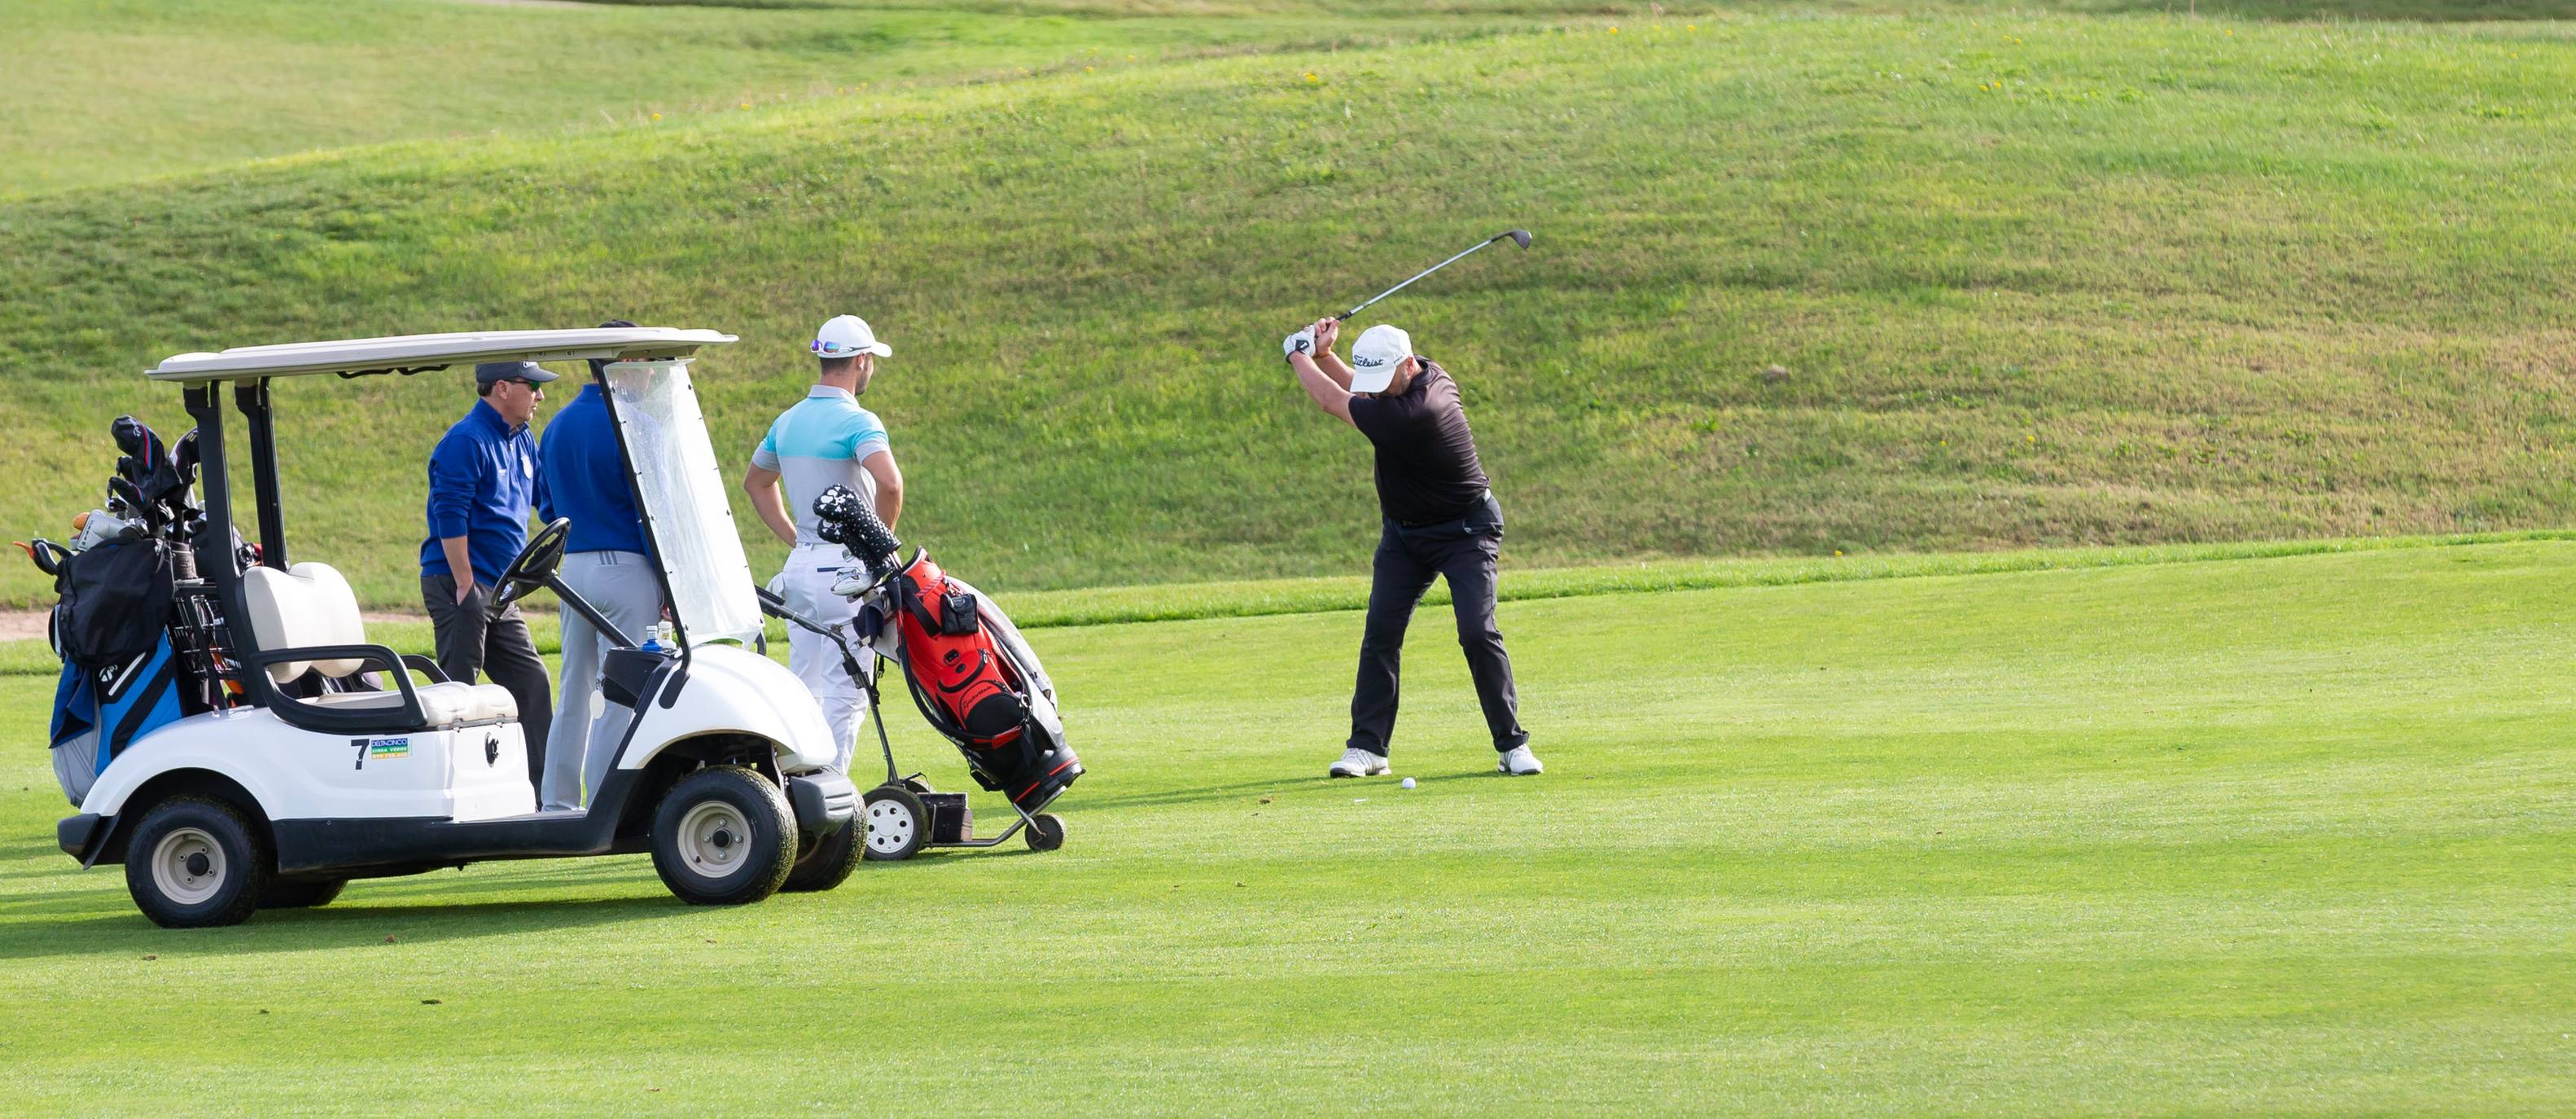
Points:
(1374, 357)
(848, 336)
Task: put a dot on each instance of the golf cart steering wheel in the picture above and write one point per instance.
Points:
(534, 566)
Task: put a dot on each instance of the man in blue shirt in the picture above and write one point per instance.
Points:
(583, 475)
(826, 440)
(482, 479)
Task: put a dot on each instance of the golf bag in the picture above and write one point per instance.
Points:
(977, 683)
(120, 678)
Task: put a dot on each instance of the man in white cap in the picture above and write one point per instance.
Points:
(824, 441)
(1437, 518)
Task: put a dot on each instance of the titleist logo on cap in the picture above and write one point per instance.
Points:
(1367, 360)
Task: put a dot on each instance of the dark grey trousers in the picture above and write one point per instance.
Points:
(1462, 551)
(499, 648)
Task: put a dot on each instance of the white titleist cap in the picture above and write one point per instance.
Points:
(846, 336)
(1374, 357)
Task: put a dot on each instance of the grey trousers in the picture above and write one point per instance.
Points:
(621, 586)
(470, 644)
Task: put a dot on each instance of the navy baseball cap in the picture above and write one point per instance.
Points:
(528, 371)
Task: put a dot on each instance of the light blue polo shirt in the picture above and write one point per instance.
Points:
(817, 445)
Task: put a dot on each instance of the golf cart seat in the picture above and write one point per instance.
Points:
(306, 620)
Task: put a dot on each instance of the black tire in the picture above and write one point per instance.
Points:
(897, 823)
(829, 863)
(212, 864)
(1044, 833)
(301, 895)
(724, 836)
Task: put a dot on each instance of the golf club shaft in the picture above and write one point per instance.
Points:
(1345, 316)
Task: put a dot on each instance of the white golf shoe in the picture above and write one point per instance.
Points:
(1357, 762)
(1519, 762)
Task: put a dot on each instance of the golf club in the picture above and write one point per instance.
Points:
(1519, 237)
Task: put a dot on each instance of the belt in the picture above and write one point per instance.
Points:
(1482, 496)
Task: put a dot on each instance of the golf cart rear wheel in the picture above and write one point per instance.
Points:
(897, 823)
(830, 861)
(301, 895)
(196, 863)
(1045, 832)
(724, 836)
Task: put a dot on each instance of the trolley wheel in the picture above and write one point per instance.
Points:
(897, 822)
(1045, 832)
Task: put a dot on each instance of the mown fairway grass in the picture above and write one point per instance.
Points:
(2284, 836)
(2031, 279)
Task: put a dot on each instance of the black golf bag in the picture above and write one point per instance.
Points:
(120, 677)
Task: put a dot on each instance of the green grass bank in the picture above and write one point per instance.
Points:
(2027, 279)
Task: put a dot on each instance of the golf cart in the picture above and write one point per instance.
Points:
(308, 756)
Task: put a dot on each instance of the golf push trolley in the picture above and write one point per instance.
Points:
(972, 676)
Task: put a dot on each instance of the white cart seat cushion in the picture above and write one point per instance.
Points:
(443, 705)
(301, 607)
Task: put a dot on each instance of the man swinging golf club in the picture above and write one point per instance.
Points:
(824, 441)
(1437, 518)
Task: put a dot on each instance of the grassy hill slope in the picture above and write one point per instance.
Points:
(113, 90)
(2037, 278)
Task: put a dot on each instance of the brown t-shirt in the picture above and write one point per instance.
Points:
(1426, 457)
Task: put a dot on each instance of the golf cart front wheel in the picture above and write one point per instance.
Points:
(828, 862)
(1045, 832)
(724, 836)
(196, 863)
(897, 823)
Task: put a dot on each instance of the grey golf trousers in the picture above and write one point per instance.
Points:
(621, 586)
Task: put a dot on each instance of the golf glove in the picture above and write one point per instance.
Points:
(1302, 342)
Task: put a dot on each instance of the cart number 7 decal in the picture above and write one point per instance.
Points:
(361, 744)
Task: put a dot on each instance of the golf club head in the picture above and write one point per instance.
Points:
(1519, 237)
(138, 440)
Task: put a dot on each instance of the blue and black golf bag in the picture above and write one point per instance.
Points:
(120, 676)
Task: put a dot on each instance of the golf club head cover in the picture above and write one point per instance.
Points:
(147, 460)
(846, 519)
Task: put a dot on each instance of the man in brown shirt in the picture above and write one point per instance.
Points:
(1437, 518)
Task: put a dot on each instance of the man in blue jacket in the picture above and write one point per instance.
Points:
(584, 477)
(482, 480)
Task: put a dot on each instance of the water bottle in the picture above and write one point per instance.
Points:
(653, 640)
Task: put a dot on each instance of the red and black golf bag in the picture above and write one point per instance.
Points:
(977, 683)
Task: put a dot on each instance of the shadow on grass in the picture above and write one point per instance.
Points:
(335, 926)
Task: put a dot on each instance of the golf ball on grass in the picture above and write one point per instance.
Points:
(1408, 782)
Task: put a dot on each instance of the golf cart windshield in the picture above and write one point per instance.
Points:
(683, 499)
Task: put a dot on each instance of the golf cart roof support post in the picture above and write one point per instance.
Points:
(252, 398)
(644, 513)
(214, 543)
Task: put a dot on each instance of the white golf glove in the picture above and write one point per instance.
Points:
(1302, 342)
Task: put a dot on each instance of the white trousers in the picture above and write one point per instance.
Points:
(807, 586)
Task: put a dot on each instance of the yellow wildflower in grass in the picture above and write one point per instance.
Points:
(657, 116)
(1311, 79)
(1614, 29)
(1086, 69)
(746, 104)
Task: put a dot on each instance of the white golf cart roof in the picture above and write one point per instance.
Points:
(413, 353)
